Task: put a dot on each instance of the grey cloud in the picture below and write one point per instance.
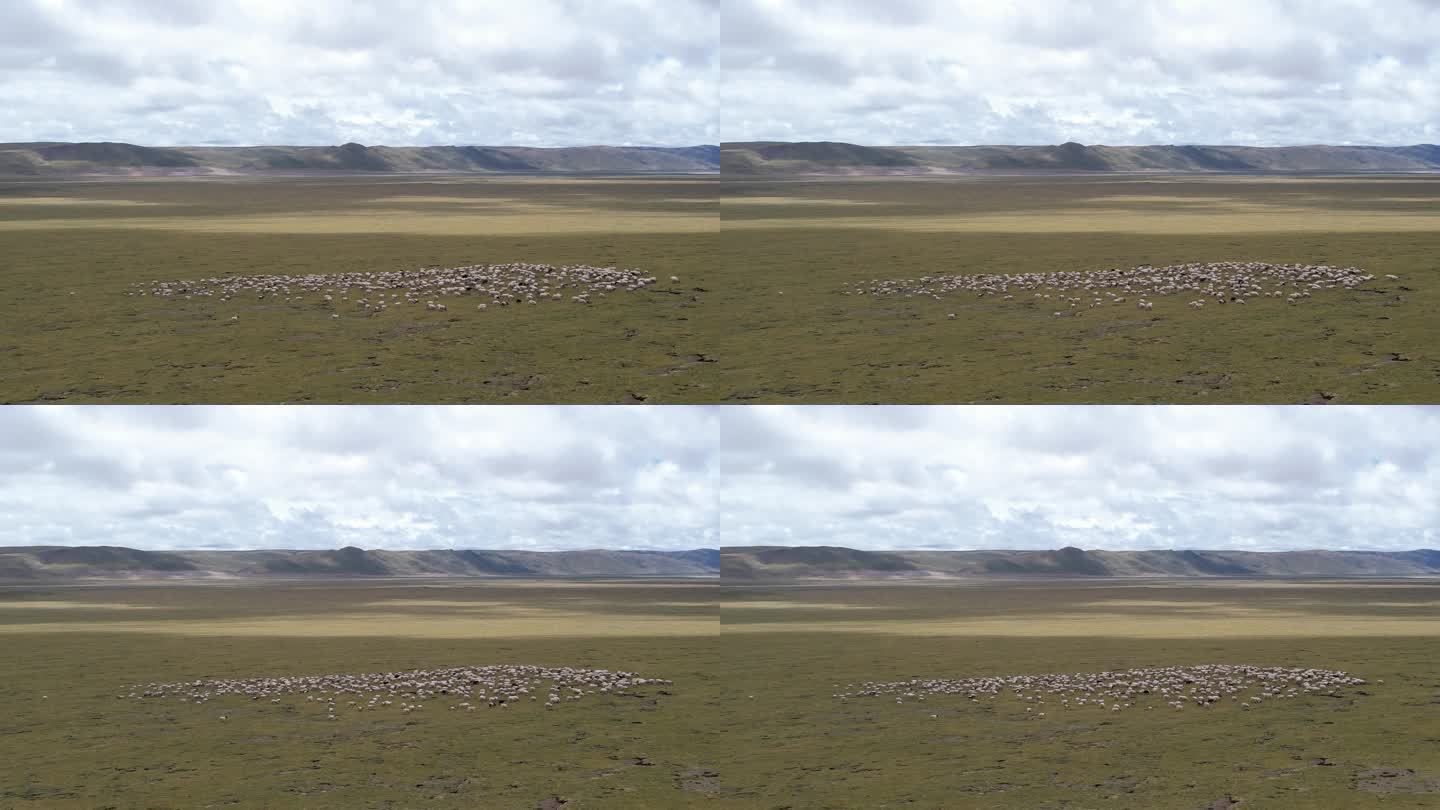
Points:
(1265, 478)
(899, 12)
(555, 477)
(177, 12)
(410, 477)
(442, 72)
(26, 26)
(1271, 72)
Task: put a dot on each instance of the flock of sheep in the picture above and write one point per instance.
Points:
(374, 293)
(465, 688)
(523, 283)
(1204, 283)
(1205, 686)
(500, 686)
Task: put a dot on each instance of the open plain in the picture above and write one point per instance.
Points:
(800, 654)
(786, 290)
(73, 735)
(804, 257)
(1274, 692)
(74, 248)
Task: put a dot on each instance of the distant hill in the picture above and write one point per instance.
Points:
(123, 158)
(825, 157)
(831, 562)
(50, 563)
(775, 157)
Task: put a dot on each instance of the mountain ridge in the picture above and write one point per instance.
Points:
(837, 562)
(48, 158)
(53, 563)
(759, 158)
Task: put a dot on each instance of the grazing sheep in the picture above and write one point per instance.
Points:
(1204, 686)
(502, 283)
(495, 686)
(1222, 281)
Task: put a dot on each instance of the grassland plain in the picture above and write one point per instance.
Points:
(750, 720)
(67, 741)
(796, 242)
(70, 249)
(788, 648)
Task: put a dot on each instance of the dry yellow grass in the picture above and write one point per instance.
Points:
(510, 202)
(512, 623)
(400, 221)
(55, 604)
(762, 604)
(1172, 200)
(547, 584)
(1281, 180)
(1251, 218)
(748, 201)
(40, 201)
(474, 604)
(1217, 623)
(1287, 585)
(1158, 603)
(505, 606)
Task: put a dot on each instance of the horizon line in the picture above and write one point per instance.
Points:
(734, 548)
(367, 146)
(1110, 145)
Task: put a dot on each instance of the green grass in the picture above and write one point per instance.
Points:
(793, 745)
(67, 741)
(68, 333)
(749, 721)
(805, 239)
(757, 316)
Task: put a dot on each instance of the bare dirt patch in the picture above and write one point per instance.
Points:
(1396, 780)
(701, 780)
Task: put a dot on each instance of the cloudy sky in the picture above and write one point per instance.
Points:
(407, 477)
(685, 477)
(1039, 477)
(684, 72)
(396, 72)
(1253, 72)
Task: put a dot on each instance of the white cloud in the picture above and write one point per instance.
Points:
(683, 72)
(1268, 478)
(685, 477)
(1258, 72)
(397, 72)
(412, 477)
